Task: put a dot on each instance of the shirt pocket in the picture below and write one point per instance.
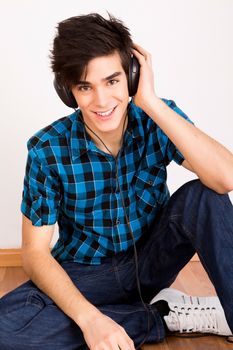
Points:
(149, 188)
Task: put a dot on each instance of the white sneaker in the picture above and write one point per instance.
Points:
(193, 314)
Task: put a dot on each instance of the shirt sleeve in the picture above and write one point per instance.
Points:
(171, 152)
(41, 192)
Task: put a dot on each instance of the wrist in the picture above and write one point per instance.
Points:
(149, 106)
(86, 315)
(152, 105)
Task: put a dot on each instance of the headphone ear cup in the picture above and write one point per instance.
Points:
(133, 78)
(64, 93)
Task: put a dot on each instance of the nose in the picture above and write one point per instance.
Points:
(101, 97)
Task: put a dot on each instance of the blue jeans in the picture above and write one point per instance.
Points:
(196, 219)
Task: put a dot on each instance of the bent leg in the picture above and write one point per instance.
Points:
(196, 219)
(30, 320)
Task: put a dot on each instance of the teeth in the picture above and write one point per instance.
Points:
(105, 113)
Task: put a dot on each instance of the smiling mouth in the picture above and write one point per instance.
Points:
(107, 113)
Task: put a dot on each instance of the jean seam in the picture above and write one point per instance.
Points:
(222, 214)
(120, 284)
(161, 335)
(112, 269)
(123, 312)
(190, 235)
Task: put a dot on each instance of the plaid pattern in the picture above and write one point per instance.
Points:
(69, 180)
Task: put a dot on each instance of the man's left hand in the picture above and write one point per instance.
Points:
(145, 92)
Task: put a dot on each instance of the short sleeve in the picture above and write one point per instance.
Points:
(41, 192)
(171, 152)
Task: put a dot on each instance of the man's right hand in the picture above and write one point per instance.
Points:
(102, 333)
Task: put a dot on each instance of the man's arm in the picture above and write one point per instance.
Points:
(48, 275)
(186, 165)
(53, 280)
(211, 161)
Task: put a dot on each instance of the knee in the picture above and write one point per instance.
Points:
(195, 192)
(196, 186)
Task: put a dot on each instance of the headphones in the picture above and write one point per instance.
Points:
(68, 98)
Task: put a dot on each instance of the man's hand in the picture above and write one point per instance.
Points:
(102, 333)
(145, 93)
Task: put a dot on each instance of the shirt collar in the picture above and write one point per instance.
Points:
(81, 141)
(134, 127)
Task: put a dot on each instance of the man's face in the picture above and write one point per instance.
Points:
(103, 95)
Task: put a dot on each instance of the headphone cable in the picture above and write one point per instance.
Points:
(129, 227)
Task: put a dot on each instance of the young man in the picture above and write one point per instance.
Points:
(101, 174)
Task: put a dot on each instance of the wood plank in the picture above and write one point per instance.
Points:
(10, 257)
(11, 278)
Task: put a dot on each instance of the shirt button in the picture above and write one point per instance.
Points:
(117, 222)
(115, 190)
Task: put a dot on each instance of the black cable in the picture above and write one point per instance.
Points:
(128, 224)
(136, 266)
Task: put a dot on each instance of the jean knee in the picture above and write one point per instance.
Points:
(194, 196)
(197, 187)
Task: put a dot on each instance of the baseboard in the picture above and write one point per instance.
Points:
(12, 257)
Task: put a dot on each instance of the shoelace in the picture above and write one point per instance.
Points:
(193, 319)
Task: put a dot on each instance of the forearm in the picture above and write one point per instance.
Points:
(53, 280)
(211, 161)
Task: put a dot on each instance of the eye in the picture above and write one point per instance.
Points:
(84, 88)
(113, 81)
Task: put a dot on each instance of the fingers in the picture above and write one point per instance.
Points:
(126, 344)
(141, 54)
(121, 344)
(141, 50)
(129, 342)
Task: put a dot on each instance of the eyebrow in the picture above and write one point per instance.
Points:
(84, 82)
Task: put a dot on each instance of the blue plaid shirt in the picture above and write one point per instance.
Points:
(69, 180)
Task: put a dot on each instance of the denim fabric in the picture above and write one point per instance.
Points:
(196, 219)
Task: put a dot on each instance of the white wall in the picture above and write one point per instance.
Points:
(191, 44)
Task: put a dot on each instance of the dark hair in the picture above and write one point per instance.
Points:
(82, 38)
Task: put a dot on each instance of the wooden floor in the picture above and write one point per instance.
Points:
(192, 280)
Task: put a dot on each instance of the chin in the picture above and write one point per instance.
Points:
(109, 127)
